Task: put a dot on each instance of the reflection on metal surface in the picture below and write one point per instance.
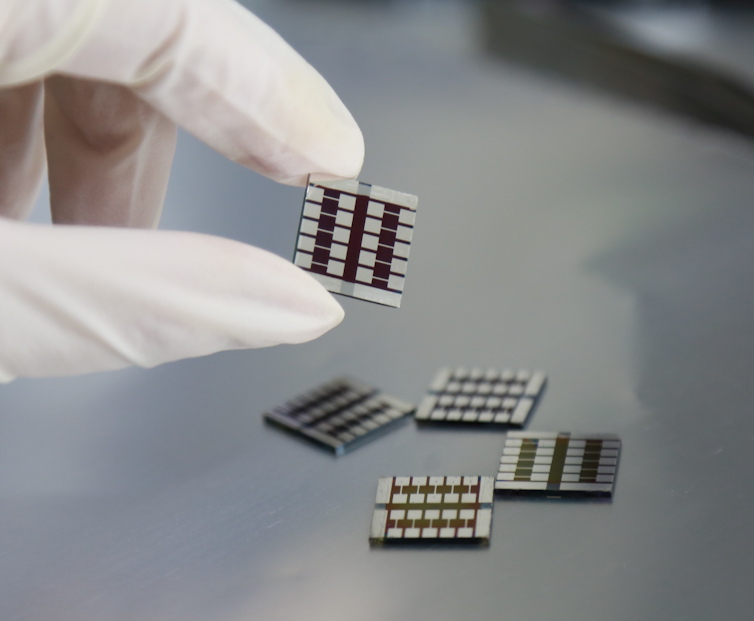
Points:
(564, 40)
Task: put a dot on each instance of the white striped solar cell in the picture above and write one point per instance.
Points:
(481, 397)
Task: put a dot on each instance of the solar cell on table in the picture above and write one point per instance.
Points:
(558, 464)
(433, 509)
(341, 414)
(481, 397)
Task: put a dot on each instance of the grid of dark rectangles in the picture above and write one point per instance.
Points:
(355, 238)
(339, 413)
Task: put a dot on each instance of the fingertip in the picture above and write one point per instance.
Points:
(336, 313)
(321, 307)
(351, 146)
(357, 150)
(347, 148)
(338, 154)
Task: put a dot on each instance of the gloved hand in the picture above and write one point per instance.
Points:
(95, 88)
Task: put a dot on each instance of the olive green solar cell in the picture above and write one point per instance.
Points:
(558, 464)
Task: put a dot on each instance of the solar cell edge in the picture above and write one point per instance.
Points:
(350, 186)
(398, 403)
(281, 420)
(402, 199)
(335, 444)
(384, 486)
(604, 492)
(375, 295)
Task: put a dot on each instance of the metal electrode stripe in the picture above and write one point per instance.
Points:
(558, 461)
(357, 232)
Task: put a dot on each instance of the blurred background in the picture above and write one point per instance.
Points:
(585, 173)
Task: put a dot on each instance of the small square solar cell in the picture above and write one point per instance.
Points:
(558, 464)
(341, 414)
(355, 239)
(481, 397)
(430, 510)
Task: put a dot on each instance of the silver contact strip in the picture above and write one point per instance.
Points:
(535, 384)
(486, 489)
(483, 523)
(441, 379)
(379, 521)
(374, 294)
(426, 407)
(522, 411)
(342, 185)
(384, 487)
(392, 196)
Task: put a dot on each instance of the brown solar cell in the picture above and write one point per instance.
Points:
(355, 239)
(429, 510)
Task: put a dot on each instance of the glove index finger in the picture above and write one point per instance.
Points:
(228, 78)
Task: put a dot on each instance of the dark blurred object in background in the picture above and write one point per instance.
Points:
(565, 39)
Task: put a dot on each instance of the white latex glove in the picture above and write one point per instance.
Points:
(95, 88)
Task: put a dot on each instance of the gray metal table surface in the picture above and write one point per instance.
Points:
(557, 228)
